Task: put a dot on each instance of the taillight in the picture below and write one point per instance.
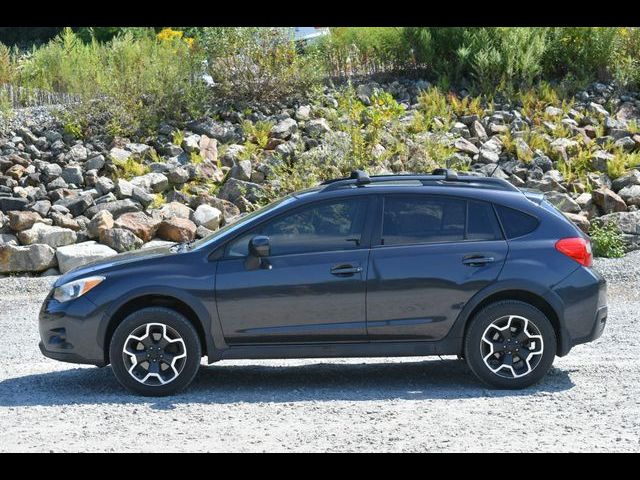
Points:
(577, 248)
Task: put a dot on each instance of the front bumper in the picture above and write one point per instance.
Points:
(69, 331)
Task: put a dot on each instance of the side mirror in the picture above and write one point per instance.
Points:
(259, 246)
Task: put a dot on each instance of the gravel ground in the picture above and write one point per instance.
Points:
(590, 401)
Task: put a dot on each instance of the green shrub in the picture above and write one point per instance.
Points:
(606, 239)
(253, 63)
(139, 80)
(581, 51)
(364, 50)
(195, 158)
(131, 167)
(7, 67)
(258, 133)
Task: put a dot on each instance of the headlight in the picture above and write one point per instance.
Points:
(75, 289)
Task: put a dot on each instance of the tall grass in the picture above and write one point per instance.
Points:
(137, 81)
(252, 63)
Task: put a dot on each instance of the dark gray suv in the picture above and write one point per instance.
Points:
(403, 265)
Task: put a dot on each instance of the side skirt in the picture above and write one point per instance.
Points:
(447, 346)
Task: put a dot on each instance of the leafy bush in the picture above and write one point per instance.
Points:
(7, 68)
(257, 133)
(131, 167)
(139, 80)
(252, 63)
(581, 51)
(606, 239)
(365, 50)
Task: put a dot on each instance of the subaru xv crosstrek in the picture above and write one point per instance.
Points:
(380, 266)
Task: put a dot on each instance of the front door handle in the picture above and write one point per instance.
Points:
(477, 260)
(345, 269)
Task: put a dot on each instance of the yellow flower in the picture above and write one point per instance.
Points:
(167, 34)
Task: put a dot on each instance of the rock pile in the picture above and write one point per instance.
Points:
(65, 201)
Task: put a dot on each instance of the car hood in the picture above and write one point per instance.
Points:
(99, 266)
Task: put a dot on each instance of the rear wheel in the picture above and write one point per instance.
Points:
(155, 352)
(510, 344)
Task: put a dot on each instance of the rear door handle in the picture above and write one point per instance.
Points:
(345, 269)
(477, 261)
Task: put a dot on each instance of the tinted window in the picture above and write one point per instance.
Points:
(327, 226)
(516, 223)
(482, 223)
(422, 219)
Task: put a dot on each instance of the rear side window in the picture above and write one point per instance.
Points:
(515, 222)
(482, 223)
(420, 219)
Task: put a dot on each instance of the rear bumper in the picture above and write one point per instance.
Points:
(584, 296)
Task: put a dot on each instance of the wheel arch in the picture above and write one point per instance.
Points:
(542, 299)
(140, 301)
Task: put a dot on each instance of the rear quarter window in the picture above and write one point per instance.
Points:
(516, 223)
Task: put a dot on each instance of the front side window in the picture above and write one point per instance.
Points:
(336, 225)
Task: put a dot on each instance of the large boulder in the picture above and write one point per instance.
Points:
(284, 129)
(140, 224)
(12, 203)
(23, 220)
(73, 256)
(77, 205)
(30, 258)
(630, 178)
(116, 208)
(120, 239)
(234, 189)
(48, 235)
(222, 132)
(177, 230)
(241, 170)
(78, 153)
(629, 225)
(73, 175)
(7, 238)
(175, 209)
(208, 148)
(103, 220)
(318, 127)
(207, 216)
(119, 154)
(608, 200)
(630, 194)
(563, 202)
(151, 182)
(580, 221)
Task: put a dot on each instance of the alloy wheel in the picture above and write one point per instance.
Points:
(511, 346)
(154, 354)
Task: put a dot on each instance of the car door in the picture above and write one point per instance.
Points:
(430, 256)
(312, 288)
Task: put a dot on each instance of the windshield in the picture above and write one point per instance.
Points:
(231, 227)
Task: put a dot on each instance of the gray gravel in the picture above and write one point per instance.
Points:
(590, 401)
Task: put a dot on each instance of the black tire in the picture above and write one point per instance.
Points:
(474, 344)
(177, 324)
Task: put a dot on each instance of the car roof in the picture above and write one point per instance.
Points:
(489, 189)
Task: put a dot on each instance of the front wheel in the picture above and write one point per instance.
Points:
(510, 344)
(155, 351)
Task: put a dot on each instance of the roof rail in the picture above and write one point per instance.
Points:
(440, 176)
